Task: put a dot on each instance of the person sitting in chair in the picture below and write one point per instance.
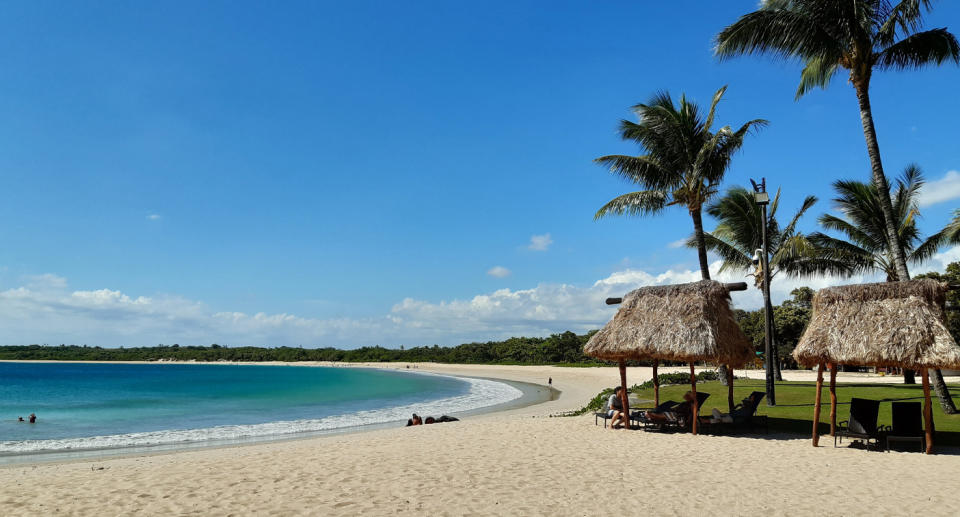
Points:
(615, 408)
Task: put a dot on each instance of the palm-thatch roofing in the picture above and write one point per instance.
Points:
(883, 324)
(684, 322)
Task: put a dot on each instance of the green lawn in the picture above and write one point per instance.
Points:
(794, 410)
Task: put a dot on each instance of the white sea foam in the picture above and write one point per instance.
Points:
(482, 393)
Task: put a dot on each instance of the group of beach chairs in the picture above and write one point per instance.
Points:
(906, 425)
(743, 418)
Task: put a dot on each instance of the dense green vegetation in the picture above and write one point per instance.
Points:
(565, 348)
(794, 410)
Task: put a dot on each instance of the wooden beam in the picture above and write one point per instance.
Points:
(656, 384)
(730, 404)
(734, 286)
(624, 397)
(696, 409)
(927, 410)
(816, 407)
(833, 400)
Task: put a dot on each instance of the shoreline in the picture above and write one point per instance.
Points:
(531, 394)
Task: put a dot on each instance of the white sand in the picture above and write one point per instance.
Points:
(517, 462)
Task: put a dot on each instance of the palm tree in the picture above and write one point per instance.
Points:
(860, 36)
(865, 247)
(683, 165)
(739, 234)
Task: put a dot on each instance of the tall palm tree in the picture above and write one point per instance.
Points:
(865, 247)
(860, 36)
(683, 164)
(739, 233)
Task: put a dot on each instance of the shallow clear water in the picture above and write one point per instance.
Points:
(88, 406)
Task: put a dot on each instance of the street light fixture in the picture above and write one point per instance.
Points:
(762, 199)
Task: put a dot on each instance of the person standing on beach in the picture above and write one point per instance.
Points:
(550, 381)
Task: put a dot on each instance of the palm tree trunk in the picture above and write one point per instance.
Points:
(705, 267)
(862, 87)
(695, 213)
(909, 376)
(943, 393)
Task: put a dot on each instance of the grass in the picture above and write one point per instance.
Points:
(794, 410)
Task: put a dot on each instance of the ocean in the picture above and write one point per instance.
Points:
(86, 406)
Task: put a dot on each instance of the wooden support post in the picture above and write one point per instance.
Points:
(927, 410)
(833, 400)
(816, 407)
(693, 389)
(656, 384)
(624, 397)
(730, 404)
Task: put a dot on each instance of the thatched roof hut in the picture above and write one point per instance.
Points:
(684, 323)
(884, 324)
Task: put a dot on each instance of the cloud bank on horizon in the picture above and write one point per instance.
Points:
(44, 310)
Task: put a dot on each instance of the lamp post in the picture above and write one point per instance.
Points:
(762, 199)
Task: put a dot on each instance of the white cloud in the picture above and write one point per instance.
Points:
(153, 217)
(498, 271)
(540, 242)
(45, 310)
(677, 244)
(943, 189)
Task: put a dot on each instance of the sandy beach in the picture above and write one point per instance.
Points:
(516, 462)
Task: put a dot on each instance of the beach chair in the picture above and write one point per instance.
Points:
(743, 416)
(640, 415)
(862, 424)
(676, 421)
(907, 424)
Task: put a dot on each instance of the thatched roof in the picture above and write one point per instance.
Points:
(685, 322)
(885, 324)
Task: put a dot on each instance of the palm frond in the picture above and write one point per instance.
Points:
(780, 30)
(817, 73)
(707, 124)
(808, 203)
(645, 202)
(642, 170)
(920, 49)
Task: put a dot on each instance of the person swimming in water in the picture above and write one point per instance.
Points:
(33, 418)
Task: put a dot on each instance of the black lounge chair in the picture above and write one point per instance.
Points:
(907, 424)
(675, 422)
(862, 424)
(743, 415)
(635, 416)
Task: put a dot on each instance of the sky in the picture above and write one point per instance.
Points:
(363, 173)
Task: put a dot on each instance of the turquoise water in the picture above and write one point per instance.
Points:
(90, 406)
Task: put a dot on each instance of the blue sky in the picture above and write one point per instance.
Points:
(346, 173)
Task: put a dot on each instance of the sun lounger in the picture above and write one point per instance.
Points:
(743, 416)
(907, 424)
(862, 424)
(675, 421)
